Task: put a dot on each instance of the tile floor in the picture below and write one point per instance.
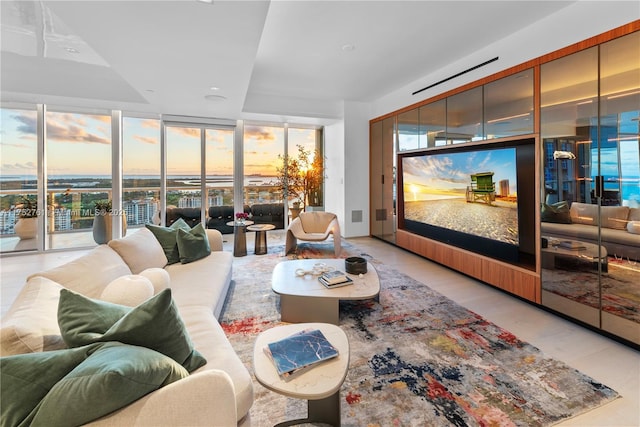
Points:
(605, 360)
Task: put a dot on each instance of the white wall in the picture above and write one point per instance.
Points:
(347, 169)
(334, 188)
(576, 22)
(356, 168)
(349, 190)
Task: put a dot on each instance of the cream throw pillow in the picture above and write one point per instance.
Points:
(31, 324)
(129, 290)
(140, 250)
(159, 277)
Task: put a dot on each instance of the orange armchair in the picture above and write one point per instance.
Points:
(313, 227)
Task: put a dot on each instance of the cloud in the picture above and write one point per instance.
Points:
(73, 134)
(150, 123)
(28, 123)
(18, 167)
(146, 139)
(260, 134)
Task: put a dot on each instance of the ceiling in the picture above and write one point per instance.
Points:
(279, 60)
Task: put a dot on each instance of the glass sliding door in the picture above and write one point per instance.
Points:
(264, 148)
(18, 180)
(219, 184)
(310, 141)
(141, 171)
(184, 177)
(78, 174)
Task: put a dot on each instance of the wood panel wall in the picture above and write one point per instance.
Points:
(515, 280)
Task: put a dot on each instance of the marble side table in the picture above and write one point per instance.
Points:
(320, 384)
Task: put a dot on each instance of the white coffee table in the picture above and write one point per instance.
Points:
(305, 299)
(588, 253)
(320, 384)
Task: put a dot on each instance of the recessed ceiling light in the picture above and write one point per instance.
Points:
(214, 88)
(348, 47)
(215, 98)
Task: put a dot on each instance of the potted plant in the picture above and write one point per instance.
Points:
(27, 225)
(102, 222)
(301, 178)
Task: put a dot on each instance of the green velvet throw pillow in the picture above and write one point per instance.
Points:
(193, 244)
(167, 237)
(25, 379)
(113, 376)
(556, 212)
(154, 324)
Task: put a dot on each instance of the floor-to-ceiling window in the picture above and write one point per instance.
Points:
(18, 178)
(141, 167)
(184, 170)
(168, 168)
(78, 174)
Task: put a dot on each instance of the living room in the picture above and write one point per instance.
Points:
(345, 135)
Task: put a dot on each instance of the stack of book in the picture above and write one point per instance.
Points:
(300, 351)
(334, 279)
(572, 245)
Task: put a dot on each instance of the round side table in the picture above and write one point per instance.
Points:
(320, 384)
(239, 237)
(261, 236)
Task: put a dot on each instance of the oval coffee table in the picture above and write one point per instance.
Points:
(305, 299)
(319, 384)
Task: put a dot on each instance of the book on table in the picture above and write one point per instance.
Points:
(345, 282)
(300, 351)
(333, 277)
(571, 244)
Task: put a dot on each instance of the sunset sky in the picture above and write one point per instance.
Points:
(80, 144)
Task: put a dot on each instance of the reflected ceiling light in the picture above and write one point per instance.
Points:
(71, 50)
(215, 98)
(623, 94)
(348, 47)
(205, 1)
(508, 118)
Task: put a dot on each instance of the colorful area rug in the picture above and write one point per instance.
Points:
(416, 357)
(620, 286)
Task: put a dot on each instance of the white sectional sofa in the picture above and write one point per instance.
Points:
(619, 231)
(220, 393)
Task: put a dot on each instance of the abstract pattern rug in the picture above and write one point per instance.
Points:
(416, 357)
(620, 287)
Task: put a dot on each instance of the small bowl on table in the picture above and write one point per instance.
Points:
(355, 265)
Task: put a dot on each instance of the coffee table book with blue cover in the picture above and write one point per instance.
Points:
(299, 351)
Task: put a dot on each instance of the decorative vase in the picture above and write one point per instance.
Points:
(26, 228)
(102, 228)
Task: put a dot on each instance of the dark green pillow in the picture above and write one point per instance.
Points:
(556, 212)
(193, 244)
(155, 324)
(167, 237)
(25, 379)
(113, 376)
(82, 319)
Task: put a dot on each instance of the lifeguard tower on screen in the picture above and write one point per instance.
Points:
(482, 188)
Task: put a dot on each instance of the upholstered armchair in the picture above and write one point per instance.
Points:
(313, 227)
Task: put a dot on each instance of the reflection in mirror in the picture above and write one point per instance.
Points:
(590, 252)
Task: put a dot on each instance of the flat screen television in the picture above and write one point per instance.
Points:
(479, 198)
